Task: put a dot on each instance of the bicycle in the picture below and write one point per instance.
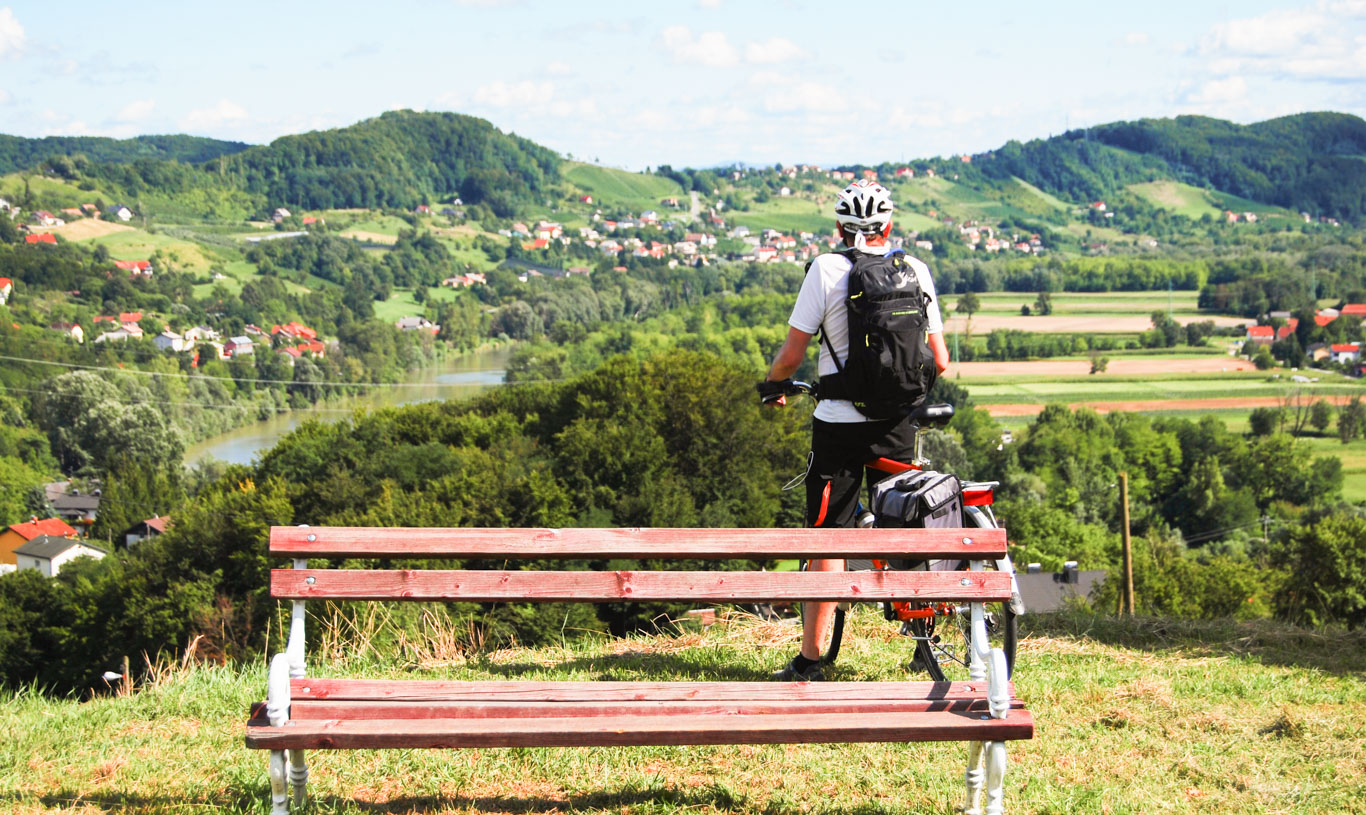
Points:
(943, 658)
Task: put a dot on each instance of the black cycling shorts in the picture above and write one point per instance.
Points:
(835, 468)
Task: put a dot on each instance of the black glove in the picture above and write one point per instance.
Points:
(774, 392)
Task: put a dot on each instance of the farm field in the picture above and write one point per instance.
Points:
(632, 191)
(1074, 323)
(792, 214)
(1181, 303)
(1240, 718)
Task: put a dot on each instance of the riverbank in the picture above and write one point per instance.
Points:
(455, 377)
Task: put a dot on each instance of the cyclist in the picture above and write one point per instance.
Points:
(842, 438)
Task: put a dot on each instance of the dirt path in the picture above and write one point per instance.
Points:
(1119, 366)
(1155, 405)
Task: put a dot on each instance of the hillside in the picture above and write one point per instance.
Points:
(1133, 716)
(17, 153)
(1309, 162)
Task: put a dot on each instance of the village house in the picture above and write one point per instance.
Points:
(460, 281)
(238, 346)
(416, 324)
(142, 530)
(77, 509)
(120, 212)
(49, 554)
(6, 286)
(1345, 353)
(137, 267)
(905, 172)
(16, 535)
(201, 333)
(43, 237)
(422, 209)
(126, 332)
(548, 230)
(1261, 334)
(1318, 351)
(279, 215)
(1357, 310)
(294, 330)
(72, 330)
(168, 340)
(44, 218)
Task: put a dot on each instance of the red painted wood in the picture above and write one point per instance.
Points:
(435, 690)
(608, 731)
(759, 544)
(504, 586)
(361, 711)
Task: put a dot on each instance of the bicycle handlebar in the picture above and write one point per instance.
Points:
(771, 392)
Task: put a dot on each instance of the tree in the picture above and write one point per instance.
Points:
(1264, 421)
(1043, 304)
(968, 303)
(1351, 420)
(1320, 415)
(1099, 363)
(1326, 579)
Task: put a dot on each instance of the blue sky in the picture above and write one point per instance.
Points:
(688, 83)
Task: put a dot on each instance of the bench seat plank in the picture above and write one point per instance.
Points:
(354, 711)
(612, 586)
(439, 690)
(599, 544)
(623, 731)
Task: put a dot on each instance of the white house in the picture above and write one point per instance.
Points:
(49, 554)
(279, 215)
(169, 340)
(121, 212)
(6, 286)
(1346, 352)
(237, 346)
(130, 331)
(200, 333)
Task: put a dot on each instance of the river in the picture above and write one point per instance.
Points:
(455, 378)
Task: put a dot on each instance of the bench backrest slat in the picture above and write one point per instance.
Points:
(612, 586)
(706, 544)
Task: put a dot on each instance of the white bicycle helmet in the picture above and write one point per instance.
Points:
(864, 206)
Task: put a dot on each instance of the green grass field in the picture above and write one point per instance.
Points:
(1182, 303)
(1132, 716)
(54, 192)
(188, 256)
(632, 191)
(790, 215)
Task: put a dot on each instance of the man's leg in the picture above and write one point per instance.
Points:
(832, 486)
(817, 617)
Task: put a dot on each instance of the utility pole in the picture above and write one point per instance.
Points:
(1128, 551)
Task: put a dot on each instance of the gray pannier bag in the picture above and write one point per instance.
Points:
(920, 499)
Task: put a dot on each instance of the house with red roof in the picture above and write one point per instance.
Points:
(1344, 352)
(1322, 319)
(1357, 310)
(42, 237)
(126, 317)
(1287, 329)
(295, 330)
(6, 286)
(1261, 334)
(142, 267)
(16, 535)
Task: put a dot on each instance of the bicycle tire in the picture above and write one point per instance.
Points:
(933, 655)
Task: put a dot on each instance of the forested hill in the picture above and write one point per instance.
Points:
(399, 159)
(1310, 162)
(17, 153)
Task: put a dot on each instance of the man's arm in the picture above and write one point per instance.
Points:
(792, 353)
(941, 351)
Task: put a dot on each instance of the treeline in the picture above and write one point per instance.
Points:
(67, 156)
(678, 439)
(1306, 162)
(399, 159)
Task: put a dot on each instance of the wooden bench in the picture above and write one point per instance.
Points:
(305, 713)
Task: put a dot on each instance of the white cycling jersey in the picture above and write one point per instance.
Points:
(821, 302)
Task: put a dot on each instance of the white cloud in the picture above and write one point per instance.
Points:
(224, 114)
(585, 107)
(1317, 43)
(815, 97)
(778, 49)
(135, 111)
(558, 69)
(1217, 93)
(500, 94)
(12, 36)
(710, 48)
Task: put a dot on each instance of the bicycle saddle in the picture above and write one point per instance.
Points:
(932, 415)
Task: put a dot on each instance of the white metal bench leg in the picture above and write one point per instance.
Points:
(279, 796)
(298, 776)
(975, 779)
(996, 775)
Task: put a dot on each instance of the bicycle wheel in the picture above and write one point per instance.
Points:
(942, 631)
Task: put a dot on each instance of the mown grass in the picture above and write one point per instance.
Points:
(633, 191)
(1132, 717)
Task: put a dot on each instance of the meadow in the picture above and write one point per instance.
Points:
(1133, 716)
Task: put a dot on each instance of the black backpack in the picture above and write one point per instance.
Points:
(890, 368)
